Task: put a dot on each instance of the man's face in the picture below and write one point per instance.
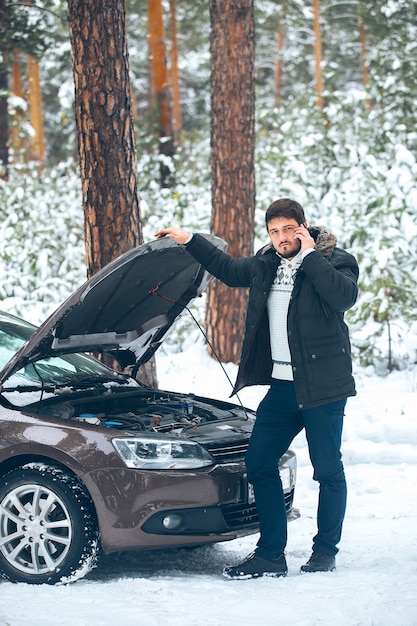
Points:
(281, 231)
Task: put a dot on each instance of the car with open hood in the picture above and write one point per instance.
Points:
(91, 459)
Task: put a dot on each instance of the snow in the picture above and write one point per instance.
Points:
(375, 580)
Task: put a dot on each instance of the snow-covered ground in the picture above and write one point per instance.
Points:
(376, 579)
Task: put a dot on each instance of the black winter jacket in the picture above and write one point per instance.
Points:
(325, 287)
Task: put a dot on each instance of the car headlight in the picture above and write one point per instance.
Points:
(157, 453)
(288, 471)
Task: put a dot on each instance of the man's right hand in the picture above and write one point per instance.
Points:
(176, 234)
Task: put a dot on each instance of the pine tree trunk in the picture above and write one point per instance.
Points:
(318, 53)
(105, 132)
(232, 162)
(17, 90)
(175, 80)
(158, 63)
(364, 63)
(280, 47)
(36, 112)
(4, 126)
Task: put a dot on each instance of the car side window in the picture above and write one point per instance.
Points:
(9, 345)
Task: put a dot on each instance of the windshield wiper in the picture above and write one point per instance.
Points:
(81, 383)
(28, 388)
(101, 379)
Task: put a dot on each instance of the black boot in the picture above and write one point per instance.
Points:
(256, 566)
(319, 562)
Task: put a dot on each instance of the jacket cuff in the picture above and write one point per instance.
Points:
(307, 252)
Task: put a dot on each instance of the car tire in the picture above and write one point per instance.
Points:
(48, 527)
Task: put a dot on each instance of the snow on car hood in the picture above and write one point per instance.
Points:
(126, 309)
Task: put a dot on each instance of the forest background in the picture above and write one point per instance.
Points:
(350, 159)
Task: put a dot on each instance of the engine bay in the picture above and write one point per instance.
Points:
(148, 410)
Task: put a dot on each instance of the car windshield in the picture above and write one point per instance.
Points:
(68, 369)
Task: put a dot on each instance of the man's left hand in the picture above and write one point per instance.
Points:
(307, 242)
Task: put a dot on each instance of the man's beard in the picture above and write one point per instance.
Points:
(291, 253)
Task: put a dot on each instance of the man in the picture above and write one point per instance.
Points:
(297, 342)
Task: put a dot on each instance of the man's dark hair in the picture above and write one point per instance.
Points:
(284, 207)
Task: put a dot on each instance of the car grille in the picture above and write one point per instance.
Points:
(240, 515)
(234, 451)
(244, 515)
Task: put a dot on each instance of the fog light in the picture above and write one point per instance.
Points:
(172, 521)
(285, 474)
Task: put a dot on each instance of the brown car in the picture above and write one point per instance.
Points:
(90, 458)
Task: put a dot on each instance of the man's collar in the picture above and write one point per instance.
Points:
(295, 259)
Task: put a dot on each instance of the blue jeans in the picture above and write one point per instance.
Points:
(278, 421)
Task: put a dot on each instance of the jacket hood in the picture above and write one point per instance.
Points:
(125, 310)
(325, 241)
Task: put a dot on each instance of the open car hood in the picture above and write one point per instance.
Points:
(125, 310)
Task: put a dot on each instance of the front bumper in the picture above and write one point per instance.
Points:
(158, 509)
(230, 518)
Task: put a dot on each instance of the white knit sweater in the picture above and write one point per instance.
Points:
(278, 302)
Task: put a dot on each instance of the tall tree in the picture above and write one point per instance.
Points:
(4, 146)
(160, 85)
(364, 61)
(392, 61)
(280, 47)
(106, 142)
(25, 26)
(318, 75)
(17, 89)
(175, 79)
(36, 111)
(232, 43)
